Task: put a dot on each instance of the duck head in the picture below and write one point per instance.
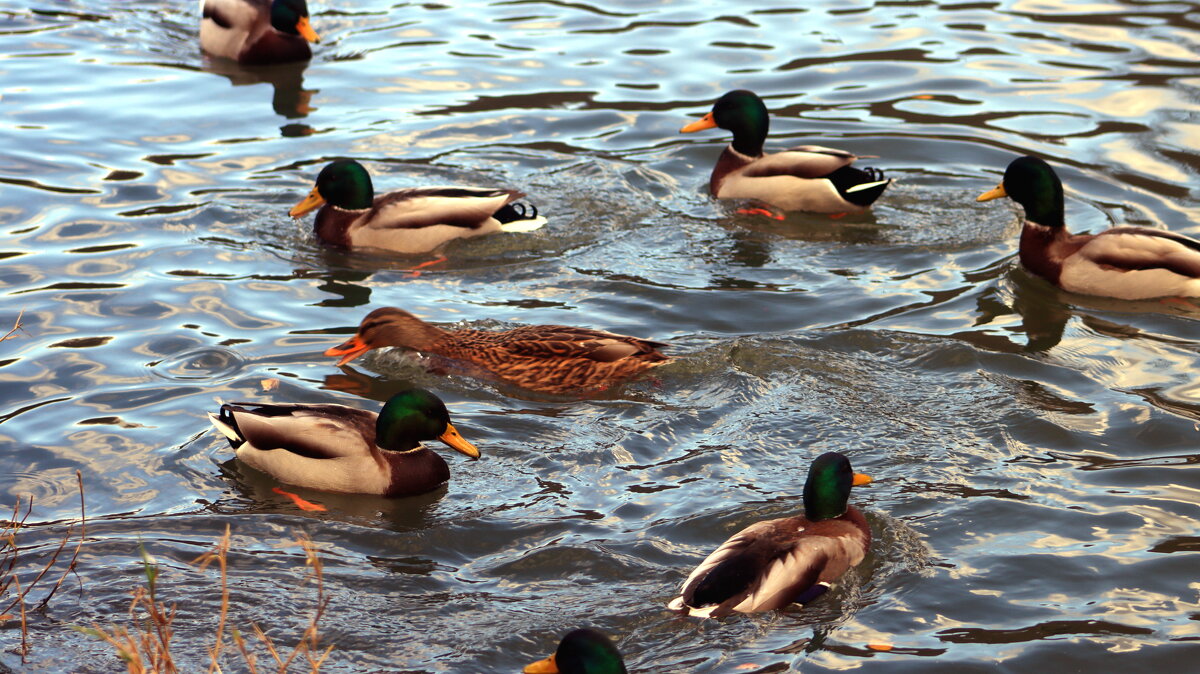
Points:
(343, 183)
(828, 486)
(415, 415)
(742, 113)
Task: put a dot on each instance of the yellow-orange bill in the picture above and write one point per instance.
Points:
(880, 647)
(705, 122)
(313, 201)
(348, 350)
(546, 666)
(451, 437)
(300, 503)
(860, 479)
(306, 30)
(994, 193)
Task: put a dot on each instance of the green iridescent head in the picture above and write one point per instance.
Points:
(582, 651)
(743, 113)
(1031, 182)
(416, 415)
(287, 14)
(346, 184)
(828, 486)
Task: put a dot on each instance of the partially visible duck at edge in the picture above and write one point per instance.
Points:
(1129, 263)
(581, 651)
(257, 32)
(337, 448)
(413, 220)
(808, 178)
(547, 358)
(771, 564)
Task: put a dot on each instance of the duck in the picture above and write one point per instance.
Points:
(581, 651)
(546, 358)
(337, 448)
(807, 178)
(413, 220)
(257, 32)
(1124, 262)
(769, 565)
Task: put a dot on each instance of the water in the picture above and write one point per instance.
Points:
(1036, 497)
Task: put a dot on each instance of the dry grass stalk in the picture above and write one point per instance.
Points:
(17, 325)
(10, 553)
(149, 651)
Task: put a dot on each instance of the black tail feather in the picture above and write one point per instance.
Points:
(517, 210)
(850, 176)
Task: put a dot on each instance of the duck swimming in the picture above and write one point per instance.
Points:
(581, 651)
(337, 448)
(1129, 263)
(771, 564)
(257, 32)
(546, 358)
(808, 178)
(413, 220)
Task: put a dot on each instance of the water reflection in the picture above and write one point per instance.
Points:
(289, 98)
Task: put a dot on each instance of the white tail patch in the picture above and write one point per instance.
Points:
(867, 186)
(531, 225)
(677, 605)
(225, 429)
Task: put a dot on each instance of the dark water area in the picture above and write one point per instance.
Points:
(1037, 496)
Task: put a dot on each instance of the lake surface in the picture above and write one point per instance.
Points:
(1037, 503)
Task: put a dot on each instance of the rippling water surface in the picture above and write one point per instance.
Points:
(1035, 452)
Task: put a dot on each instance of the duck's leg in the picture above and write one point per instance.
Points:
(416, 271)
(765, 210)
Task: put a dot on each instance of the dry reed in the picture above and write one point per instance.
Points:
(146, 645)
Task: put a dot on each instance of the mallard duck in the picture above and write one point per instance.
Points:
(547, 358)
(582, 651)
(257, 32)
(1129, 263)
(413, 220)
(342, 449)
(808, 178)
(771, 564)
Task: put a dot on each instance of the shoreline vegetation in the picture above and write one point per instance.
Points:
(144, 641)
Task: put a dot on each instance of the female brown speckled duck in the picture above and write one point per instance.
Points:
(771, 564)
(546, 358)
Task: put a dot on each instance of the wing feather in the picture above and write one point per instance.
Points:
(566, 342)
(313, 431)
(809, 161)
(1140, 248)
(419, 207)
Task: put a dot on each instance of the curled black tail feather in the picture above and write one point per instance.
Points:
(517, 210)
(850, 176)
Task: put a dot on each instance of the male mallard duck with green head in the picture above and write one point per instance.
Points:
(1128, 263)
(581, 651)
(808, 178)
(771, 564)
(257, 32)
(548, 358)
(413, 220)
(342, 449)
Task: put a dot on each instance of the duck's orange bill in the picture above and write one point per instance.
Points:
(705, 122)
(306, 30)
(451, 437)
(300, 503)
(860, 479)
(546, 666)
(313, 201)
(993, 193)
(349, 350)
